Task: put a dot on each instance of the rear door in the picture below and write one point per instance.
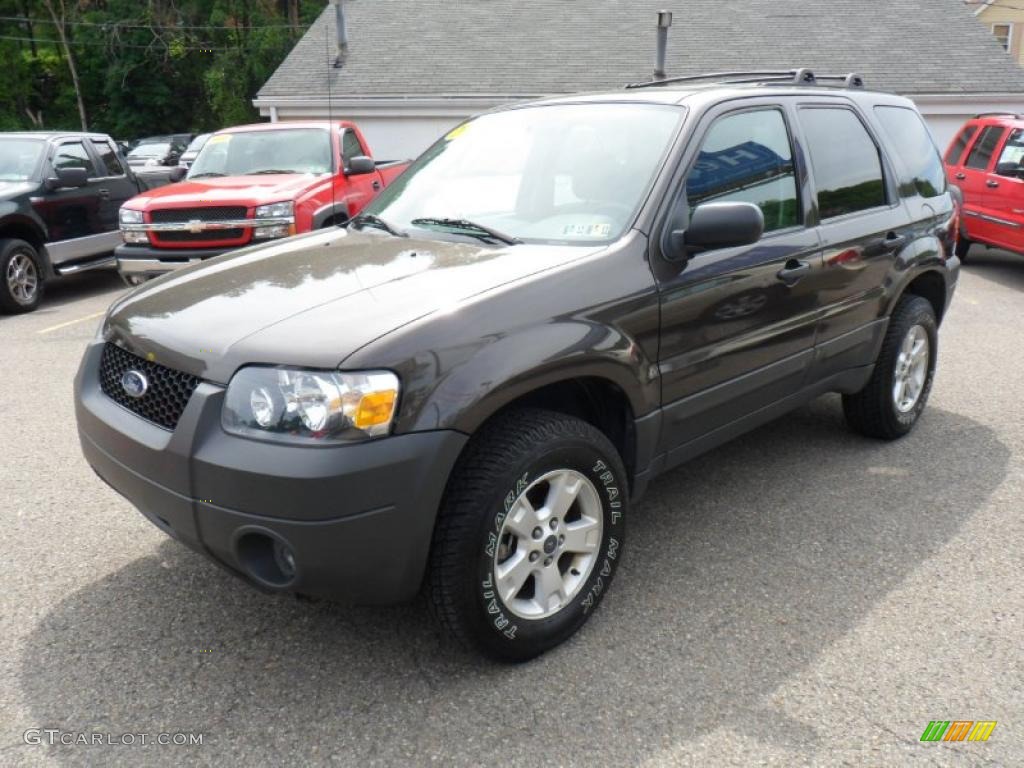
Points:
(115, 188)
(737, 337)
(863, 227)
(973, 177)
(1003, 199)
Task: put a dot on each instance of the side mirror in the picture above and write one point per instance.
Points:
(68, 177)
(359, 165)
(1010, 169)
(177, 173)
(717, 225)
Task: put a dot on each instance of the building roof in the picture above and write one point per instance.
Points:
(520, 48)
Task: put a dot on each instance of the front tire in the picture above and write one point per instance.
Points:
(897, 392)
(21, 278)
(529, 534)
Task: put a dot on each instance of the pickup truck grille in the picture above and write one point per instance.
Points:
(179, 215)
(168, 394)
(210, 238)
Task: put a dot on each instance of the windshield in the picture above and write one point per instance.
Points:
(19, 158)
(292, 150)
(197, 143)
(573, 173)
(150, 150)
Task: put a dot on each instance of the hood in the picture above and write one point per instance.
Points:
(228, 190)
(312, 300)
(12, 189)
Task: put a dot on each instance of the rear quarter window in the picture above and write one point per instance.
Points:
(915, 148)
(981, 152)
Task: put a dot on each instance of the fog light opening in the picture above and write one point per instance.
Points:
(267, 559)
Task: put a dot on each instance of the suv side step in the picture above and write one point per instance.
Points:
(85, 266)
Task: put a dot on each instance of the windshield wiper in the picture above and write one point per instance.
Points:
(270, 171)
(467, 227)
(206, 175)
(369, 219)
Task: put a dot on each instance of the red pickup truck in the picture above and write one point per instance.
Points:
(250, 184)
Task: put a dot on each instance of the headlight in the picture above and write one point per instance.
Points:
(300, 406)
(276, 210)
(128, 216)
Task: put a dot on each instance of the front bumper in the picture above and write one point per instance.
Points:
(357, 518)
(143, 261)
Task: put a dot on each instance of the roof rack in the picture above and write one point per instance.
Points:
(1014, 115)
(782, 76)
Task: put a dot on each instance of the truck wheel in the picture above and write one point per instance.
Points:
(529, 534)
(21, 279)
(891, 403)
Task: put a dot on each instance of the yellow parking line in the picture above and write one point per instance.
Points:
(72, 322)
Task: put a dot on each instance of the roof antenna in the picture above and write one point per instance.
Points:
(331, 126)
(341, 26)
(664, 22)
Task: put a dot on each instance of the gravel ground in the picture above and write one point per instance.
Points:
(801, 596)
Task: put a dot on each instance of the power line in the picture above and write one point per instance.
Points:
(118, 44)
(993, 4)
(150, 25)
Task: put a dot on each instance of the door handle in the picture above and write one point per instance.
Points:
(992, 184)
(793, 271)
(103, 192)
(894, 242)
(961, 176)
(376, 185)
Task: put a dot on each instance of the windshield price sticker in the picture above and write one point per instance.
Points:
(587, 230)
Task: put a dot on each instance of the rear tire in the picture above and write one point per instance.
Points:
(897, 392)
(21, 277)
(529, 534)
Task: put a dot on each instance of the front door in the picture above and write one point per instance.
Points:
(1004, 193)
(358, 189)
(738, 323)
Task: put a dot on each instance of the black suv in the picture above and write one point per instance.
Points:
(59, 200)
(468, 387)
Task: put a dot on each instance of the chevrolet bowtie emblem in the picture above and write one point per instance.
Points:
(195, 225)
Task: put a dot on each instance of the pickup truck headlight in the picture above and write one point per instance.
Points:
(276, 211)
(307, 406)
(127, 216)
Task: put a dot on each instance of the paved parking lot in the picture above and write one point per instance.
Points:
(801, 596)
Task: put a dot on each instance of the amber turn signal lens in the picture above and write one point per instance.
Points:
(375, 408)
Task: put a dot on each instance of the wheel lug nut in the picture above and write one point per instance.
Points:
(534, 557)
(547, 561)
(537, 532)
(554, 523)
(561, 540)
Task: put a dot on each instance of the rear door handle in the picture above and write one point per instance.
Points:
(992, 184)
(103, 192)
(376, 185)
(961, 176)
(894, 242)
(793, 271)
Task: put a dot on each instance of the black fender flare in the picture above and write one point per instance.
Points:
(337, 210)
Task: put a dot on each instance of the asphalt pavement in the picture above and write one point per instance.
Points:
(801, 596)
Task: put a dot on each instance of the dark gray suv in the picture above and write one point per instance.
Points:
(465, 390)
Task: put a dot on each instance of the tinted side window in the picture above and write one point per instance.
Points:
(956, 150)
(748, 158)
(350, 146)
(916, 149)
(109, 157)
(73, 155)
(981, 154)
(847, 167)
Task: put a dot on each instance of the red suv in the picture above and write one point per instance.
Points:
(986, 161)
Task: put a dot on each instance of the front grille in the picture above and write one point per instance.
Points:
(184, 215)
(169, 390)
(204, 237)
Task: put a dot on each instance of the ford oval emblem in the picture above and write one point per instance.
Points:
(134, 383)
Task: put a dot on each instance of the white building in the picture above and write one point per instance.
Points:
(415, 68)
